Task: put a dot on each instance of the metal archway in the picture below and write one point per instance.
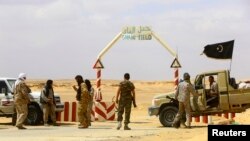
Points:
(133, 33)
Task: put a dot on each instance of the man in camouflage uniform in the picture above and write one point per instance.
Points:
(124, 91)
(83, 99)
(182, 94)
(21, 100)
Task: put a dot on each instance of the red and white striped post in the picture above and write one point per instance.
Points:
(98, 95)
(176, 77)
(98, 66)
(176, 65)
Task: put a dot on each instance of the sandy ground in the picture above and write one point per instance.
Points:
(144, 127)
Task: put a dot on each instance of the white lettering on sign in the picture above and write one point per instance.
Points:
(136, 33)
(216, 132)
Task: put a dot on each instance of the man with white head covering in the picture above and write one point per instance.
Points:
(21, 100)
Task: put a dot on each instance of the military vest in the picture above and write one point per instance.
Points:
(126, 88)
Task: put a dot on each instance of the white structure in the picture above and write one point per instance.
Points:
(133, 33)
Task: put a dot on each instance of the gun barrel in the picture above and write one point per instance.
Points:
(134, 103)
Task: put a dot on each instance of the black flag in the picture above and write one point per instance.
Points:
(222, 50)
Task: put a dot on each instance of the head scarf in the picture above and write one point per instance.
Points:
(49, 83)
(21, 77)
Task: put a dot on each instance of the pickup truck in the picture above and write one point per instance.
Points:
(35, 112)
(231, 98)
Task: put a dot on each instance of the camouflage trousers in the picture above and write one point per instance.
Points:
(184, 108)
(49, 110)
(124, 105)
(22, 112)
(82, 113)
(90, 105)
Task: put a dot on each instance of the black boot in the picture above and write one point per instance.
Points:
(126, 127)
(176, 124)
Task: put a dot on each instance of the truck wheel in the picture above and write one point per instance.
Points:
(167, 116)
(34, 115)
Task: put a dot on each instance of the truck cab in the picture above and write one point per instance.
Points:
(35, 112)
(230, 98)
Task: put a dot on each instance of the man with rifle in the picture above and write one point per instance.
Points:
(126, 95)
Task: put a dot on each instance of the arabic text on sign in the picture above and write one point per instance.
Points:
(136, 33)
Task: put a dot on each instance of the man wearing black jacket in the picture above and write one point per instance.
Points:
(48, 103)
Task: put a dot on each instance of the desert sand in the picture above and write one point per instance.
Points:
(145, 91)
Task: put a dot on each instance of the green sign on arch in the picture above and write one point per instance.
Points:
(136, 33)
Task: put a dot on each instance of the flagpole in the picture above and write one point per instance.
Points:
(231, 60)
(230, 65)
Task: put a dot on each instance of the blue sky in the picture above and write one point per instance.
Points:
(59, 39)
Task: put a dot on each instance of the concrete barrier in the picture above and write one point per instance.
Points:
(101, 111)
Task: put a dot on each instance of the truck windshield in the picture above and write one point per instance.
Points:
(11, 82)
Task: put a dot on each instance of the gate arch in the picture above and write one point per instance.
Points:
(133, 33)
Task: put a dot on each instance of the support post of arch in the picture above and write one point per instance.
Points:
(175, 64)
(98, 66)
(98, 95)
(176, 77)
(109, 45)
(164, 44)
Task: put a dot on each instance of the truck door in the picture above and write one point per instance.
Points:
(6, 99)
(222, 80)
(199, 87)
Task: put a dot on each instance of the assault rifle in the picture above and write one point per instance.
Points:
(134, 104)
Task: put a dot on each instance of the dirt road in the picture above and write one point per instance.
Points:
(144, 128)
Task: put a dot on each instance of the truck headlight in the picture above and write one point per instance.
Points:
(155, 102)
